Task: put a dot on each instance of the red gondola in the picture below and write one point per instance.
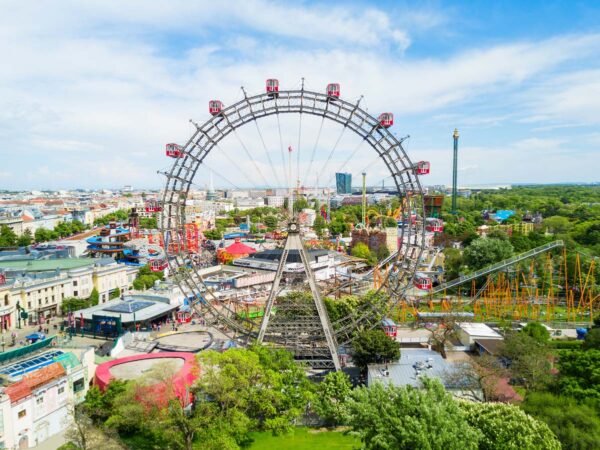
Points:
(333, 90)
(386, 119)
(423, 168)
(153, 206)
(389, 327)
(215, 107)
(434, 225)
(273, 86)
(173, 150)
(422, 282)
(158, 265)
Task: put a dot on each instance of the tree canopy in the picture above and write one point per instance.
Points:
(507, 427)
(373, 346)
(397, 418)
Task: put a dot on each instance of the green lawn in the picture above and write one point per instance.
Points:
(304, 439)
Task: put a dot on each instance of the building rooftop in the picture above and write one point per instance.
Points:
(492, 346)
(293, 255)
(412, 366)
(34, 380)
(479, 330)
(133, 308)
(30, 265)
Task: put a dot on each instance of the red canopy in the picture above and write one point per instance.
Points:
(237, 248)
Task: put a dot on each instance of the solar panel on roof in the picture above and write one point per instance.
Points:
(128, 307)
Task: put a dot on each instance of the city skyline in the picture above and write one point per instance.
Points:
(94, 91)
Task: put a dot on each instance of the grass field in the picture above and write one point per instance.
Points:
(304, 439)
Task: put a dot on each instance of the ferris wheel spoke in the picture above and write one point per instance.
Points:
(223, 177)
(267, 154)
(283, 165)
(298, 149)
(252, 160)
(237, 166)
(312, 156)
(318, 177)
(347, 160)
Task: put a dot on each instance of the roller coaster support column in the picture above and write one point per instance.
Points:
(454, 170)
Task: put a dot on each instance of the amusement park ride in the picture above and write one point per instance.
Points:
(310, 335)
(306, 329)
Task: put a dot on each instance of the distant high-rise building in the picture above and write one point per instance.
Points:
(343, 183)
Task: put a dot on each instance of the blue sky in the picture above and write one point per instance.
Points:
(91, 91)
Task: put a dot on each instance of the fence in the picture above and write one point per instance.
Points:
(20, 352)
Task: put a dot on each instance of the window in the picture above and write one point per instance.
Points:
(39, 400)
(74, 282)
(61, 390)
(22, 413)
(29, 305)
(75, 293)
(78, 385)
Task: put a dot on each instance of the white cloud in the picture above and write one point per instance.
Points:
(98, 76)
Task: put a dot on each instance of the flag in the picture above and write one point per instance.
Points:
(290, 149)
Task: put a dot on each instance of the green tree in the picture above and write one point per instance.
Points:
(94, 298)
(42, 235)
(361, 250)
(116, 293)
(73, 304)
(558, 224)
(406, 418)
(214, 234)
(579, 374)
(530, 359)
(507, 427)
(25, 239)
(390, 222)
(373, 346)
(382, 252)
(271, 222)
(592, 339)
(300, 203)
(8, 238)
(261, 383)
(452, 262)
(537, 331)
(575, 423)
(334, 392)
(482, 252)
(319, 225)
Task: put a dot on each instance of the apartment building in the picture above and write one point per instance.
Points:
(39, 290)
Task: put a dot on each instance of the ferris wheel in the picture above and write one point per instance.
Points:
(328, 106)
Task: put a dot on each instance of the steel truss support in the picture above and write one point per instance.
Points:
(305, 342)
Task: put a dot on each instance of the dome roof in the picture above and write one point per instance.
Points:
(237, 248)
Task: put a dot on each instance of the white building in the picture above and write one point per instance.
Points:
(249, 203)
(41, 291)
(275, 201)
(468, 332)
(36, 405)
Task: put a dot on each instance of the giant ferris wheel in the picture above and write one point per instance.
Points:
(306, 331)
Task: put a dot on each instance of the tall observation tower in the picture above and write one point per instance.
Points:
(454, 170)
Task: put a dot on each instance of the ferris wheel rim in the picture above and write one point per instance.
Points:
(207, 136)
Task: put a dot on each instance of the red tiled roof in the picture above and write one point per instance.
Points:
(18, 391)
(23, 388)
